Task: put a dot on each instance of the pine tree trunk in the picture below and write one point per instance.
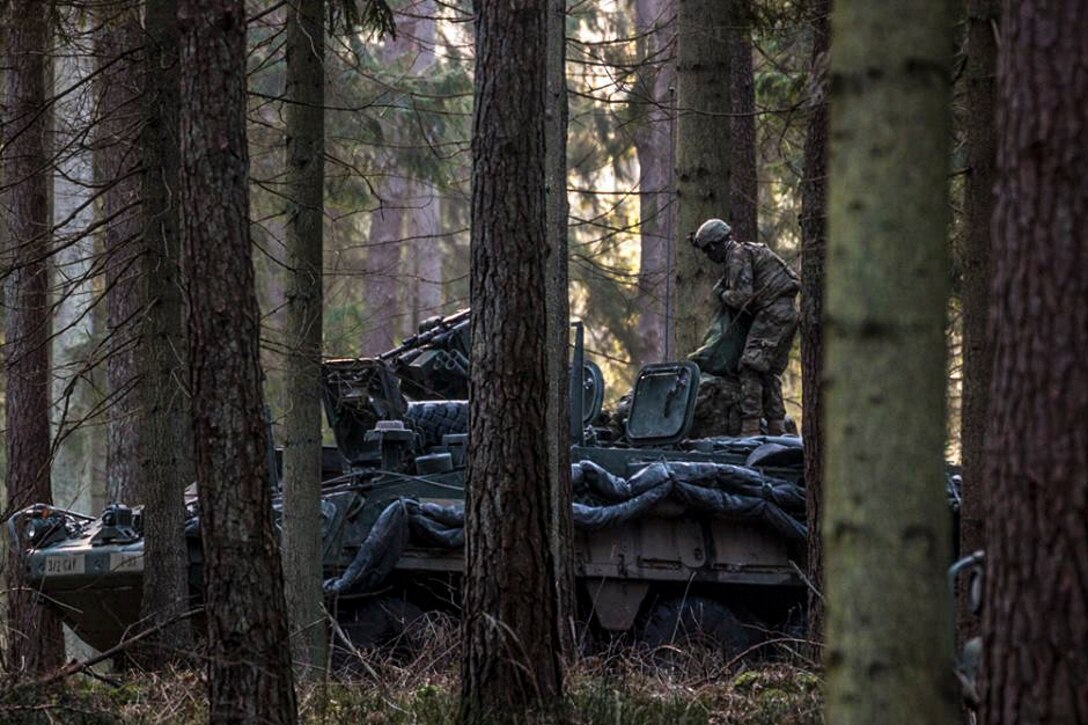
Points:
(1036, 453)
(5, 245)
(981, 132)
(813, 254)
(35, 641)
(557, 348)
(423, 255)
(167, 460)
(386, 262)
(74, 334)
(886, 521)
(249, 662)
(424, 231)
(118, 170)
(744, 186)
(383, 267)
(703, 154)
(654, 147)
(305, 243)
(511, 644)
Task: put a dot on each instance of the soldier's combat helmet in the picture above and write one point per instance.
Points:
(712, 231)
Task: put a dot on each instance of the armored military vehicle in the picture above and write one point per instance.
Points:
(673, 535)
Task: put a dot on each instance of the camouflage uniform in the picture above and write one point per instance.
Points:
(717, 407)
(759, 282)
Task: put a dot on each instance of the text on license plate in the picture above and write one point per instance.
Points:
(65, 565)
(127, 561)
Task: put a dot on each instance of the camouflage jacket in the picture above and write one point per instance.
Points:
(755, 277)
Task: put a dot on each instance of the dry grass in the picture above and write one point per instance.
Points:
(417, 681)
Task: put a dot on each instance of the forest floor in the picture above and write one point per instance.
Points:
(614, 685)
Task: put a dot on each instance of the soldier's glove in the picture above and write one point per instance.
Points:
(720, 289)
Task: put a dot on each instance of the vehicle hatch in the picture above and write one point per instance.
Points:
(663, 403)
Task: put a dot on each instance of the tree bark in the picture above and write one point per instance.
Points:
(167, 459)
(981, 132)
(744, 172)
(423, 298)
(35, 642)
(703, 154)
(249, 663)
(383, 267)
(1036, 452)
(886, 521)
(813, 255)
(423, 230)
(511, 644)
(557, 348)
(385, 259)
(117, 163)
(74, 394)
(654, 22)
(305, 244)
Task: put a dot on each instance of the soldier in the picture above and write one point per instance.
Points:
(757, 282)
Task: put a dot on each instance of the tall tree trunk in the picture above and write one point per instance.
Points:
(76, 433)
(5, 544)
(74, 333)
(305, 244)
(386, 267)
(6, 248)
(702, 159)
(654, 22)
(423, 229)
(383, 267)
(5, 244)
(886, 522)
(423, 288)
(511, 643)
(981, 130)
(744, 186)
(249, 664)
(1036, 613)
(167, 460)
(118, 162)
(813, 246)
(557, 347)
(35, 642)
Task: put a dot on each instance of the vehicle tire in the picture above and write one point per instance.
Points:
(698, 622)
(433, 419)
(373, 622)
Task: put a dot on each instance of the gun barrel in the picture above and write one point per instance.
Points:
(434, 333)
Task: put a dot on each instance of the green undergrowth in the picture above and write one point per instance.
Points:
(622, 686)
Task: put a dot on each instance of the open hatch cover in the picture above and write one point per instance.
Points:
(663, 404)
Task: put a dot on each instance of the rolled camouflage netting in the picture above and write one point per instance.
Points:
(605, 500)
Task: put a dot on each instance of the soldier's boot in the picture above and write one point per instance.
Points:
(749, 427)
(776, 427)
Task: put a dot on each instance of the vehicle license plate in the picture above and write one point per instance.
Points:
(127, 561)
(65, 565)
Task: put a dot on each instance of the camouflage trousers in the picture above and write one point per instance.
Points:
(766, 355)
(717, 407)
